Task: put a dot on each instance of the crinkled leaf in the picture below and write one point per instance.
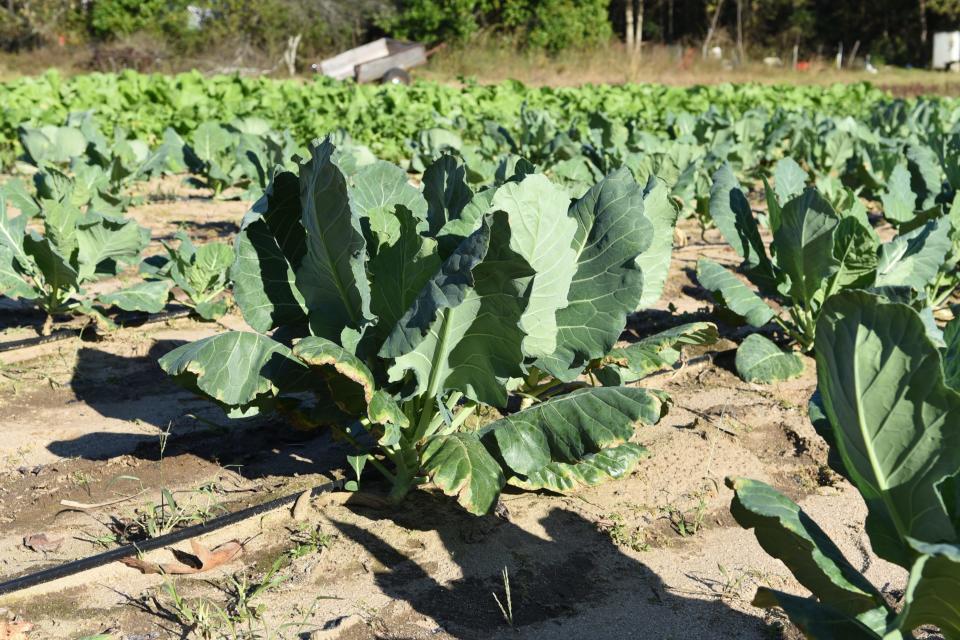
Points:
(567, 428)
(461, 466)
(354, 393)
(106, 242)
(659, 350)
(594, 468)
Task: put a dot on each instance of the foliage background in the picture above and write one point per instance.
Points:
(895, 31)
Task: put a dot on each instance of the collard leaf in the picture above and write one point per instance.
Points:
(462, 331)
(933, 590)
(332, 276)
(788, 534)
(399, 271)
(12, 281)
(105, 242)
(446, 191)
(461, 466)
(269, 249)
(568, 428)
(804, 243)
(760, 360)
(818, 620)
(951, 354)
(149, 297)
(659, 350)
(337, 363)
(542, 233)
(654, 263)
(612, 232)
(913, 259)
(376, 191)
(731, 213)
(733, 293)
(899, 201)
(236, 368)
(594, 468)
(789, 179)
(55, 269)
(855, 251)
(896, 424)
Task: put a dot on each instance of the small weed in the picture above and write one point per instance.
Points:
(624, 536)
(309, 539)
(241, 608)
(508, 610)
(687, 523)
(159, 519)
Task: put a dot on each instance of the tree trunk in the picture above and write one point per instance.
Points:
(740, 31)
(638, 36)
(923, 22)
(628, 16)
(713, 27)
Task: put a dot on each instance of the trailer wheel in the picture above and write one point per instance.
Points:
(395, 76)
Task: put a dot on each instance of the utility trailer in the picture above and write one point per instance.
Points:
(386, 60)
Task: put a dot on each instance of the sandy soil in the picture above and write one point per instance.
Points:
(655, 555)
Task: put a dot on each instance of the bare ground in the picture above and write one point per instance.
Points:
(653, 555)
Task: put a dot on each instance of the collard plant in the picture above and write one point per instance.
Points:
(888, 404)
(394, 316)
(200, 272)
(51, 269)
(816, 251)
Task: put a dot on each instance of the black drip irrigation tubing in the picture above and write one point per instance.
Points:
(92, 562)
(66, 334)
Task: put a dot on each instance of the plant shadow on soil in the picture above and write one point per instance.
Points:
(135, 389)
(574, 583)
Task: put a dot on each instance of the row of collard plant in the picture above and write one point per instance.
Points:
(465, 333)
(467, 338)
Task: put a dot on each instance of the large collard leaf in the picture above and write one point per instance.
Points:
(461, 466)
(899, 201)
(446, 191)
(60, 225)
(148, 297)
(237, 369)
(104, 242)
(633, 362)
(376, 191)
(398, 272)
(925, 178)
(462, 331)
(804, 241)
(612, 232)
(662, 211)
(913, 259)
(206, 270)
(895, 421)
(933, 591)
(52, 144)
(951, 354)
(269, 249)
(787, 533)
(760, 360)
(12, 233)
(542, 233)
(569, 428)
(332, 275)
(731, 212)
(732, 293)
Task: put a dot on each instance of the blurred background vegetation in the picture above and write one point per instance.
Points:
(175, 34)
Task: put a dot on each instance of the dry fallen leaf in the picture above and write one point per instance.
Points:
(301, 507)
(203, 559)
(14, 629)
(40, 542)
